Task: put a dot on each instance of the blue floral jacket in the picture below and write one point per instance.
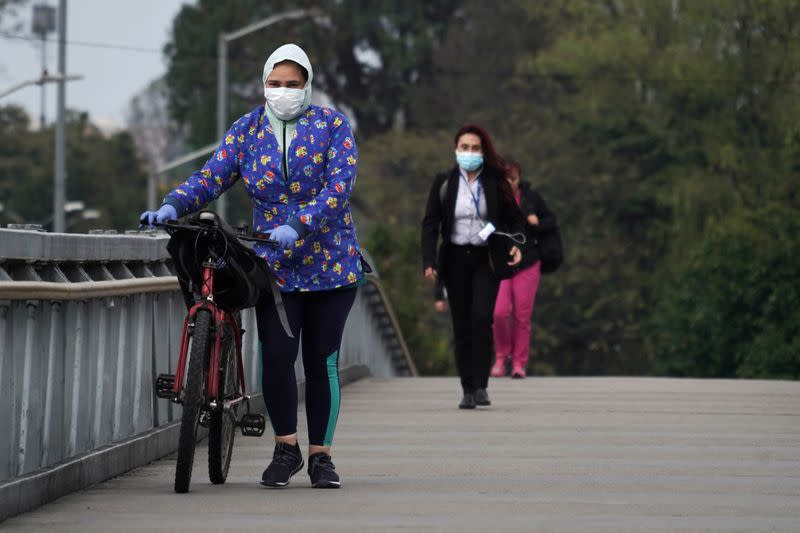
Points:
(322, 162)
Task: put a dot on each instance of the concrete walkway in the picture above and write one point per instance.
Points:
(561, 454)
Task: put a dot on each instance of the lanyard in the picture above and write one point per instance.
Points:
(476, 199)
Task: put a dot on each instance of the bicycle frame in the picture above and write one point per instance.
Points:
(220, 317)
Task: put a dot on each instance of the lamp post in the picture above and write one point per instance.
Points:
(222, 69)
(10, 214)
(45, 78)
(69, 207)
(44, 22)
(60, 171)
(85, 216)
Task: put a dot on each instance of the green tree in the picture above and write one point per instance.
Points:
(366, 55)
(655, 129)
(731, 306)
(668, 116)
(395, 174)
(103, 171)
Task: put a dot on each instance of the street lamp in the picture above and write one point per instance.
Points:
(69, 207)
(44, 22)
(222, 69)
(41, 80)
(60, 163)
(85, 215)
(10, 214)
(74, 205)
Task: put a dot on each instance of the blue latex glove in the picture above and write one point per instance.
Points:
(285, 235)
(164, 213)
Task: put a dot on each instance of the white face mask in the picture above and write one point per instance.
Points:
(285, 103)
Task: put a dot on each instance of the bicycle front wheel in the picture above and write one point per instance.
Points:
(193, 398)
(222, 424)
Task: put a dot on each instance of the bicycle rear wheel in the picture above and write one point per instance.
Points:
(193, 398)
(222, 424)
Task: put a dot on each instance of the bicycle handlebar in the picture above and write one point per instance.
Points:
(240, 234)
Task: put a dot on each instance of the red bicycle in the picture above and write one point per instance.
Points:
(219, 275)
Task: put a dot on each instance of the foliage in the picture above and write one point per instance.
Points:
(663, 134)
(648, 126)
(731, 306)
(366, 56)
(394, 178)
(102, 171)
(426, 332)
(668, 117)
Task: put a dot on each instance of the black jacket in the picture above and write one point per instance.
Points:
(531, 203)
(439, 218)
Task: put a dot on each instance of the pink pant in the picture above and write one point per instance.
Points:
(512, 315)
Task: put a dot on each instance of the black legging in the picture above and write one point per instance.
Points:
(318, 317)
(472, 291)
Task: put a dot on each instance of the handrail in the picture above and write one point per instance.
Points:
(53, 291)
(374, 281)
(84, 290)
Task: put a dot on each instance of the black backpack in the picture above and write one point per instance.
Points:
(551, 250)
(236, 286)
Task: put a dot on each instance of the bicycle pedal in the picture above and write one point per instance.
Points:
(253, 425)
(205, 416)
(164, 384)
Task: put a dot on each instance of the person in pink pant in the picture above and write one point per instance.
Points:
(516, 296)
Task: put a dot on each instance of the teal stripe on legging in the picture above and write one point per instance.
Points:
(333, 380)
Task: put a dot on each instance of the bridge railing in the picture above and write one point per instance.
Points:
(88, 321)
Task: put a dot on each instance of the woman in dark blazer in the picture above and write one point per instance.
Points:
(471, 207)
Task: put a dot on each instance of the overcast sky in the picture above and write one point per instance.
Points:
(111, 76)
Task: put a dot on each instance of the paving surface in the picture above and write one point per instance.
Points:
(560, 454)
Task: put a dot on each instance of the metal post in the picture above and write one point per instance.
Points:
(60, 176)
(222, 98)
(44, 69)
(43, 22)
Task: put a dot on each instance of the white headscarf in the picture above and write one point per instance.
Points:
(291, 52)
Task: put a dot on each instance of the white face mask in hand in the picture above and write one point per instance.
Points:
(285, 103)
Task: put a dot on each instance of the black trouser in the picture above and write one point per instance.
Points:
(318, 318)
(471, 290)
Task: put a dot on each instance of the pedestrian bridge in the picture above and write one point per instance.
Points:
(85, 447)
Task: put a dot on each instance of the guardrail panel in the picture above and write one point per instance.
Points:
(7, 416)
(86, 325)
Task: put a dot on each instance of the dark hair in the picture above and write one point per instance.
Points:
(303, 70)
(513, 164)
(491, 159)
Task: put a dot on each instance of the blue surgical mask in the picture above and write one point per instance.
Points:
(469, 161)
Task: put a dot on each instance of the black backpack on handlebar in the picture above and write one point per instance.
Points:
(241, 274)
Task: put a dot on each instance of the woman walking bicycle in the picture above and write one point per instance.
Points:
(298, 163)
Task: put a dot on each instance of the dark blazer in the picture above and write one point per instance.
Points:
(532, 203)
(439, 218)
